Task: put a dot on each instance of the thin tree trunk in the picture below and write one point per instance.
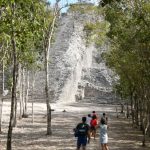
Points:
(17, 94)
(47, 49)
(47, 46)
(145, 130)
(23, 92)
(132, 108)
(1, 99)
(128, 113)
(49, 131)
(122, 108)
(117, 112)
(32, 96)
(20, 93)
(15, 111)
(32, 112)
(136, 110)
(13, 99)
(3, 77)
(1, 107)
(27, 94)
(142, 107)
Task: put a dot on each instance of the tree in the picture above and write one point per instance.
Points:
(129, 54)
(48, 37)
(20, 25)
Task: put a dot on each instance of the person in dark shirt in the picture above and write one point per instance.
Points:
(105, 118)
(83, 134)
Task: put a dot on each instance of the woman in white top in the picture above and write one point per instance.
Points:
(103, 134)
(88, 119)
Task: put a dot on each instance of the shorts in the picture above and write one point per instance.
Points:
(81, 141)
(93, 128)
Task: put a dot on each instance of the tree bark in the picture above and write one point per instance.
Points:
(23, 92)
(20, 93)
(13, 98)
(15, 111)
(145, 130)
(32, 96)
(47, 50)
(26, 94)
(1, 107)
(128, 112)
(132, 107)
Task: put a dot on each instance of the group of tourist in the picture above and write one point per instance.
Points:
(87, 129)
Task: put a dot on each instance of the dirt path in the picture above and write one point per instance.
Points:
(28, 136)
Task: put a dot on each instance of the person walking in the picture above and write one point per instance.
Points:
(83, 134)
(105, 117)
(88, 119)
(103, 134)
(93, 126)
(94, 114)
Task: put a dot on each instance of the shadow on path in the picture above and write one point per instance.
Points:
(28, 136)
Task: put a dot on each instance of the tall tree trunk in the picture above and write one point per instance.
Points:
(20, 93)
(27, 94)
(132, 108)
(142, 107)
(23, 92)
(13, 98)
(32, 94)
(1, 107)
(136, 110)
(1, 93)
(146, 126)
(47, 46)
(49, 131)
(128, 112)
(15, 105)
(3, 77)
(47, 50)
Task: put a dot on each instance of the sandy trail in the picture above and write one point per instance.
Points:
(32, 136)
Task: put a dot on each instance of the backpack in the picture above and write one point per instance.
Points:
(81, 130)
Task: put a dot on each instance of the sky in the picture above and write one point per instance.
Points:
(63, 2)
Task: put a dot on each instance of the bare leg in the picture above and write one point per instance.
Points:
(106, 147)
(84, 147)
(78, 147)
(94, 134)
(102, 145)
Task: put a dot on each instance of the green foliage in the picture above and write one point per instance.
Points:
(106, 2)
(96, 32)
(129, 54)
(95, 29)
(29, 22)
(82, 8)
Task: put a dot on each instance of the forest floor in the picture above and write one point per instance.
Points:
(32, 136)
